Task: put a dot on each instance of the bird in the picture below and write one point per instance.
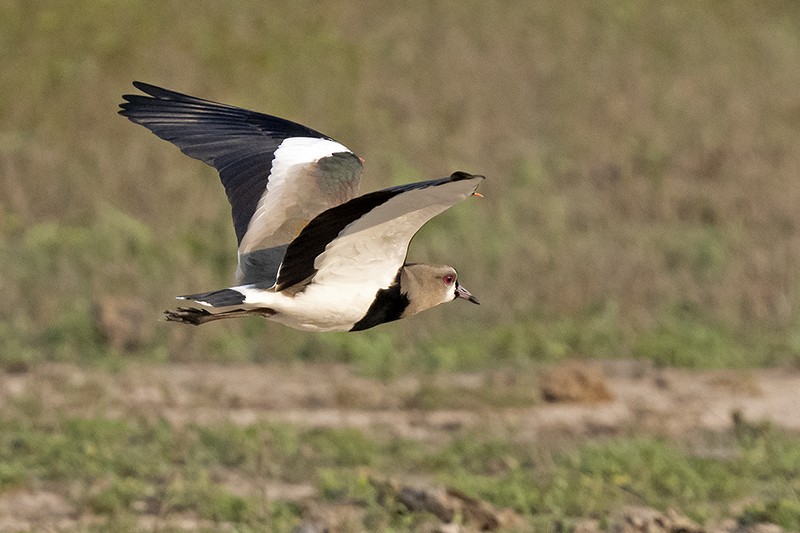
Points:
(311, 254)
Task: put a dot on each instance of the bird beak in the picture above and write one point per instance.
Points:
(461, 292)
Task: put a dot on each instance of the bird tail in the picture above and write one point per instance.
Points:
(195, 316)
(214, 299)
(220, 298)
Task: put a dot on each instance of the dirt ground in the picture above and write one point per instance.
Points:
(672, 402)
(583, 400)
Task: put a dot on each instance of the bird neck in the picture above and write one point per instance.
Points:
(389, 304)
(413, 287)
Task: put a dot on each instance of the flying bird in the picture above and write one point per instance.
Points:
(312, 255)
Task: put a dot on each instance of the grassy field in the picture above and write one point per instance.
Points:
(220, 474)
(641, 202)
(261, 447)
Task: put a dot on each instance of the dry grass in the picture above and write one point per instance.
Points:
(641, 200)
(642, 165)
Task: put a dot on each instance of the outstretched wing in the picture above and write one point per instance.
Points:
(366, 239)
(277, 174)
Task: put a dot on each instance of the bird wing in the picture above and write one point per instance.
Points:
(277, 174)
(365, 240)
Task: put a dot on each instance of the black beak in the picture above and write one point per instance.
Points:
(461, 292)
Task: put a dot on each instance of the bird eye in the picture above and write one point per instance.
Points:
(449, 279)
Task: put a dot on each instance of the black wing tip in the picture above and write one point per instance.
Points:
(150, 90)
(158, 92)
(154, 92)
(459, 175)
(175, 103)
(145, 87)
(127, 108)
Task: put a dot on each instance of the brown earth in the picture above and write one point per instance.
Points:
(633, 395)
(619, 397)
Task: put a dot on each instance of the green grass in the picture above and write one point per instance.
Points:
(638, 162)
(120, 469)
(641, 201)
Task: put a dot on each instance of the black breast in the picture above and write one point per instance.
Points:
(388, 305)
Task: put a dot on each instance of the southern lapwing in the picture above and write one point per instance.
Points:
(311, 255)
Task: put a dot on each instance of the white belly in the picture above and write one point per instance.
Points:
(317, 308)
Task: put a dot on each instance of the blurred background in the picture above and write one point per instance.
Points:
(641, 204)
(641, 166)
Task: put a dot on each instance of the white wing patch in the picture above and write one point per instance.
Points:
(292, 197)
(300, 150)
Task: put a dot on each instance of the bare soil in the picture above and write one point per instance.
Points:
(633, 397)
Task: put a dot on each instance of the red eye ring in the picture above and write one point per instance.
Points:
(449, 279)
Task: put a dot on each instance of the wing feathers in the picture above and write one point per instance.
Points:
(252, 152)
(278, 175)
(370, 233)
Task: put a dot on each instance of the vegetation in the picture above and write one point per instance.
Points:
(641, 164)
(222, 473)
(641, 201)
